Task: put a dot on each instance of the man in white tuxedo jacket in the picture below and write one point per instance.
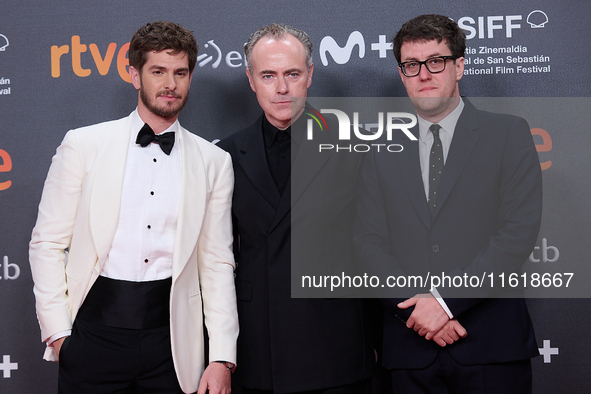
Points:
(132, 250)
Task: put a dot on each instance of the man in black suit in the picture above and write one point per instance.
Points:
(478, 212)
(291, 345)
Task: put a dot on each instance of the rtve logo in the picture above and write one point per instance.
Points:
(76, 51)
(102, 62)
(5, 166)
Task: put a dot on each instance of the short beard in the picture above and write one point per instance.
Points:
(169, 111)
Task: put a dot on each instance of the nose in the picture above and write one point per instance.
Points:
(282, 86)
(170, 82)
(424, 74)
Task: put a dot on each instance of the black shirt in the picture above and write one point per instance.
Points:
(278, 152)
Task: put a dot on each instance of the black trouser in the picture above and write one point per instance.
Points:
(119, 343)
(362, 387)
(446, 376)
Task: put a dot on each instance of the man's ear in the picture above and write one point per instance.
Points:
(135, 77)
(460, 68)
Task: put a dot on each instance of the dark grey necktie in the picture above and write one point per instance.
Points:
(435, 167)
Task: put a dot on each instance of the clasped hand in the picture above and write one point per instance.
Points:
(430, 320)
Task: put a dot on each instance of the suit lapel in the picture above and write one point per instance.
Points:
(105, 200)
(463, 142)
(253, 162)
(194, 189)
(306, 164)
(410, 169)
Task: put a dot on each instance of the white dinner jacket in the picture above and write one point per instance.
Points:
(79, 211)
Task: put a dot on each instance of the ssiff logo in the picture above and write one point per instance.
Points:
(3, 42)
(537, 19)
(402, 121)
(485, 27)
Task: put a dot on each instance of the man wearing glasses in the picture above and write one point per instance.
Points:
(466, 198)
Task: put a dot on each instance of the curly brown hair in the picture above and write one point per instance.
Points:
(158, 36)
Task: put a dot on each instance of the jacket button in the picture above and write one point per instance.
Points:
(435, 248)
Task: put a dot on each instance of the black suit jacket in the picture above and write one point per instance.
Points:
(294, 344)
(487, 220)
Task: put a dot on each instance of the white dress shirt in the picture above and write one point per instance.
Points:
(446, 133)
(144, 240)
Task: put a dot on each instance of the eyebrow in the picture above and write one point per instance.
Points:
(291, 70)
(162, 68)
(412, 59)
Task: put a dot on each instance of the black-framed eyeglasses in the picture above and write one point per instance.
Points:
(434, 65)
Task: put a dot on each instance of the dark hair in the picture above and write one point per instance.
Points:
(278, 31)
(431, 27)
(159, 36)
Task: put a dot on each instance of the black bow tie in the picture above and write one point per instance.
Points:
(147, 136)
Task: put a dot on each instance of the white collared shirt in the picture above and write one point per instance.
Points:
(143, 244)
(446, 134)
